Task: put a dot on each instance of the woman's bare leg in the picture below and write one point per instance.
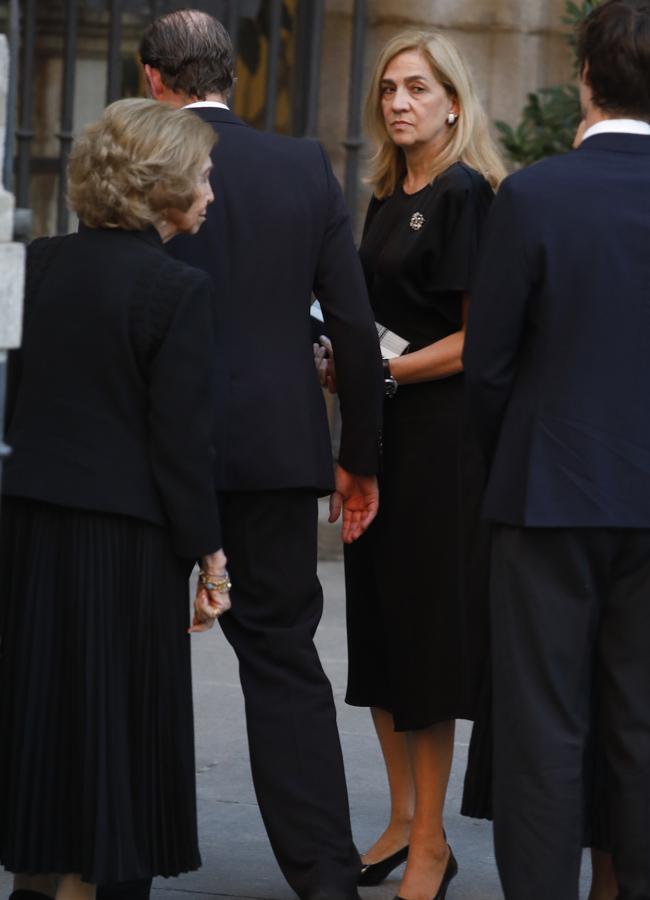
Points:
(397, 757)
(71, 887)
(431, 751)
(603, 879)
(42, 884)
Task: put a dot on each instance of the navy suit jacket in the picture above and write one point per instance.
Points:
(278, 230)
(557, 356)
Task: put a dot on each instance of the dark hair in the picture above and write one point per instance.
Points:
(614, 47)
(192, 51)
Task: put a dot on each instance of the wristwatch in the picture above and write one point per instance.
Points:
(390, 383)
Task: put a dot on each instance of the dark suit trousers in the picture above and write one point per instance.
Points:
(570, 616)
(270, 539)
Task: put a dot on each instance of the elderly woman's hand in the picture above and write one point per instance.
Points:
(324, 362)
(212, 597)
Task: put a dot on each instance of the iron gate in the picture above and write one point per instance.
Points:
(278, 49)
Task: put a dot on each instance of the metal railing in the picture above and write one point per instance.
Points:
(28, 22)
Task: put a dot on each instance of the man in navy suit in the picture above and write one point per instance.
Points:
(557, 362)
(278, 231)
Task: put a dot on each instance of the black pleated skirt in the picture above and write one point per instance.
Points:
(96, 728)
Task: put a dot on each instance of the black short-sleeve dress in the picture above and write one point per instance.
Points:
(416, 582)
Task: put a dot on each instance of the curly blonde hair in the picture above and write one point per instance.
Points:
(469, 139)
(136, 161)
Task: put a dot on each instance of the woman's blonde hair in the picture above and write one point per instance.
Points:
(469, 139)
(139, 159)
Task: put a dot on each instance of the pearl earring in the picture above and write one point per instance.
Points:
(452, 118)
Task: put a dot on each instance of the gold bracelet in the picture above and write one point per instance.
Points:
(215, 582)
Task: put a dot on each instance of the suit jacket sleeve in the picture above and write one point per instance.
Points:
(497, 316)
(181, 416)
(349, 323)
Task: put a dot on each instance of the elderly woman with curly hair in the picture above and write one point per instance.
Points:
(107, 504)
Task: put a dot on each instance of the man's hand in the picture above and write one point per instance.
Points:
(324, 362)
(358, 495)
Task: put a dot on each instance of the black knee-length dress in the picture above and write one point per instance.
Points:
(416, 582)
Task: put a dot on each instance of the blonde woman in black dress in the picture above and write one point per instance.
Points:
(416, 582)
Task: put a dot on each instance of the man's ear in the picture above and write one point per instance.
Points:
(154, 82)
(586, 93)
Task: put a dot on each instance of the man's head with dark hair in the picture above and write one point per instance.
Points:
(614, 56)
(193, 53)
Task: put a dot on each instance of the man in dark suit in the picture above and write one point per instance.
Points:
(277, 231)
(557, 371)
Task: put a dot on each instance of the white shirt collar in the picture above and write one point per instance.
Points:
(203, 103)
(618, 126)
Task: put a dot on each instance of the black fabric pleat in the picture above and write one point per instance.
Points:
(96, 746)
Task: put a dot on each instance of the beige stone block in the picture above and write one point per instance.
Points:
(516, 65)
(90, 91)
(528, 15)
(558, 61)
(335, 87)
(6, 200)
(433, 13)
(47, 106)
(340, 7)
(468, 14)
(4, 86)
(12, 283)
(6, 214)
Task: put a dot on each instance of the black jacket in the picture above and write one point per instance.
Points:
(558, 342)
(110, 404)
(278, 230)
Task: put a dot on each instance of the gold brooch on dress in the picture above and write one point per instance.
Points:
(417, 221)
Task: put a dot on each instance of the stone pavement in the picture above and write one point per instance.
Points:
(237, 861)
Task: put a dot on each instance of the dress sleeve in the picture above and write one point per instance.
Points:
(455, 231)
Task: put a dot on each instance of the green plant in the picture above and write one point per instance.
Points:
(574, 14)
(551, 115)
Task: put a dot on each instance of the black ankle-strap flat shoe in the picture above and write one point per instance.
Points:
(374, 873)
(451, 870)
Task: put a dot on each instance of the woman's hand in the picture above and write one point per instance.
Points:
(212, 597)
(324, 362)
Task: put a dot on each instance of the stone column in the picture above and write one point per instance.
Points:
(12, 255)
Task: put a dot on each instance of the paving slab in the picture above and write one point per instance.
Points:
(237, 860)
